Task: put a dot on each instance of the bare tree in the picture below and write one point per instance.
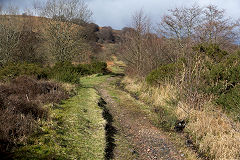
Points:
(216, 28)
(28, 12)
(11, 9)
(181, 23)
(63, 40)
(132, 44)
(67, 9)
(141, 49)
(37, 7)
(198, 25)
(9, 40)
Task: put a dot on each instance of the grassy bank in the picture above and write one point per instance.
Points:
(75, 131)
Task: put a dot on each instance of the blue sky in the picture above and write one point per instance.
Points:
(117, 13)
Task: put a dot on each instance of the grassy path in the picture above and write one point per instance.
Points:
(90, 127)
(133, 136)
(118, 146)
(77, 131)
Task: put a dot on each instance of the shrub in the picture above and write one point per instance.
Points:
(14, 127)
(230, 100)
(98, 67)
(212, 51)
(65, 72)
(163, 72)
(165, 118)
(61, 71)
(84, 69)
(13, 70)
(21, 104)
(92, 68)
(222, 79)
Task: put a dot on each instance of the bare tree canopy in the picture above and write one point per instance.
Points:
(216, 27)
(66, 10)
(141, 22)
(10, 9)
(198, 24)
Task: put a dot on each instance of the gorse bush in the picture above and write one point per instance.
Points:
(163, 73)
(13, 70)
(222, 79)
(97, 67)
(212, 51)
(230, 100)
(92, 68)
(219, 76)
(61, 71)
(67, 72)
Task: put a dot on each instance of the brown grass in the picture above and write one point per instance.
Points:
(38, 24)
(215, 134)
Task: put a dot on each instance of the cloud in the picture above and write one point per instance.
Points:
(117, 13)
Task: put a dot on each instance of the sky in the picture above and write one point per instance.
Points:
(117, 13)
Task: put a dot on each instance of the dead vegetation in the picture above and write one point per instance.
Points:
(22, 105)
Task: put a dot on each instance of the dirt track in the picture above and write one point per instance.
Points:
(148, 141)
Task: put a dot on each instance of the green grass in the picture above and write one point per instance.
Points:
(93, 80)
(75, 132)
(117, 69)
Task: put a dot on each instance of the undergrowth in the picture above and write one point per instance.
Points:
(24, 92)
(61, 71)
(22, 106)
